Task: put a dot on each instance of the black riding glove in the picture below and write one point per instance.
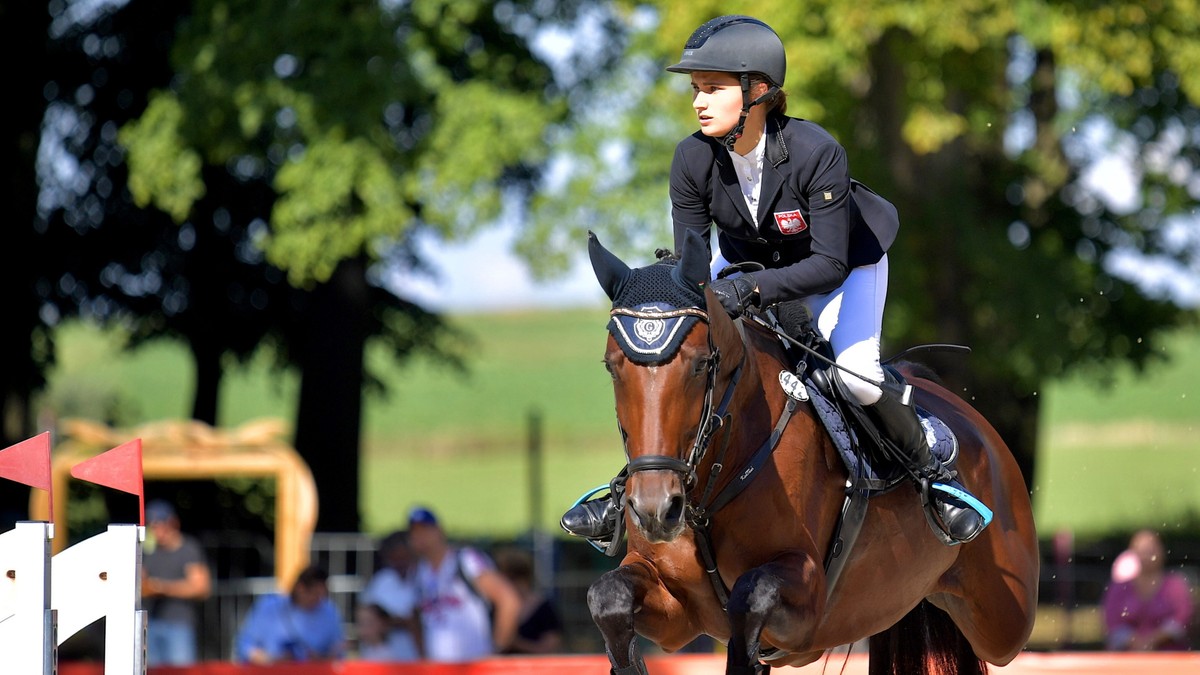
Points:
(737, 294)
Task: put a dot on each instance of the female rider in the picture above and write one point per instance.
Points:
(779, 192)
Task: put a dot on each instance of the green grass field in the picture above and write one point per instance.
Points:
(1110, 460)
(1126, 456)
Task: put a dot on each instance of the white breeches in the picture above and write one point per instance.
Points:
(851, 318)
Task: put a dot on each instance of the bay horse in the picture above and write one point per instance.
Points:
(697, 401)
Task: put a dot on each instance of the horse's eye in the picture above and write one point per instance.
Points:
(609, 367)
(701, 366)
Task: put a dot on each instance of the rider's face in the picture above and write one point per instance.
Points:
(717, 100)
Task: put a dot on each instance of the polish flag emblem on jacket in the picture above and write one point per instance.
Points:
(790, 222)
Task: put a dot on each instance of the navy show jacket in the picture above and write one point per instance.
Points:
(814, 223)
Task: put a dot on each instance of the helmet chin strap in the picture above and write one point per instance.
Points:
(731, 138)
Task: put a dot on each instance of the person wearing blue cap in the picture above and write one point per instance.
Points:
(175, 578)
(421, 516)
(468, 609)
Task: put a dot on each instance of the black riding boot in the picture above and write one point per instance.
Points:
(594, 519)
(899, 422)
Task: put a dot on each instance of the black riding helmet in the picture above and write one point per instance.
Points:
(739, 45)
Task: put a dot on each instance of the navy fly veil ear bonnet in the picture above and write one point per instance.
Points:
(654, 307)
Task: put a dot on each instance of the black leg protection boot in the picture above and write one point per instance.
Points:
(595, 519)
(899, 422)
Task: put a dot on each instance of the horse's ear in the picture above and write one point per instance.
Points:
(610, 270)
(694, 261)
(724, 331)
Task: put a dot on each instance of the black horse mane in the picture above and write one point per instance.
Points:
(666, 256)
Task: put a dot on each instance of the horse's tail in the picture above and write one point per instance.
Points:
(924, 642)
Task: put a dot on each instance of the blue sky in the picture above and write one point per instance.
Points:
(482, 274)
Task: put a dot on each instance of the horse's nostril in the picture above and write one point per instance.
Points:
(674, 509)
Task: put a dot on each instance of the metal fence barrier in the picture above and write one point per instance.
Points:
(350, 559)
(1071, 587)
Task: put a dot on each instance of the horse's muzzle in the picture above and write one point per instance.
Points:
(659, 519)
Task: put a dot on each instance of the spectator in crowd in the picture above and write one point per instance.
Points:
(1146, 608)
(175, 579)
(539, 627)
(371, 624)
(393, 588)
(304, 625)
(468, 609)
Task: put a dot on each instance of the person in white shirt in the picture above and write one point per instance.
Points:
(468, 609)
(393, 588)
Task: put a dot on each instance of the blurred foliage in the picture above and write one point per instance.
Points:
(986, 122)
(369, 119)
(254, 496)
(247, 174)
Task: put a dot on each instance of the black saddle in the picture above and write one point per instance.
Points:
(813, 360)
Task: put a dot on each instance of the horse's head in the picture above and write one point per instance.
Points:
(672, 353)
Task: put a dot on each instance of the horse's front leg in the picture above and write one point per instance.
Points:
(613, 599)
(785, 598)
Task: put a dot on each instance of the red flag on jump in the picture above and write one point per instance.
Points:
(28, 462)
(119, 469)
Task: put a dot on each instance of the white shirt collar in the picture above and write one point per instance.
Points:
(752, 160)
(749, 175)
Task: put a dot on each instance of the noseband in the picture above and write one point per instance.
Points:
(712, 418)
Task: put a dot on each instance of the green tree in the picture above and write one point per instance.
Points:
(369, 122)
(133, 266)
(981, 121)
